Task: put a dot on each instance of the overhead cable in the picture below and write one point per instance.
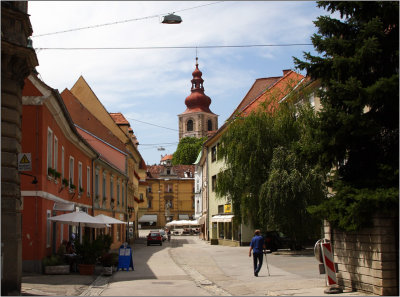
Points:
(120, 22)
(153, 124)
(172, 47)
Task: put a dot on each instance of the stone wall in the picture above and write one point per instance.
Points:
(17, 61)
(367, 260)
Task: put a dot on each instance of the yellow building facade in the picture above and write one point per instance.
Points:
(170, 194)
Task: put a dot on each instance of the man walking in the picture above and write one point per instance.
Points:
(257, 244)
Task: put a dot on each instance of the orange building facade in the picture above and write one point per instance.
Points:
(59, 160)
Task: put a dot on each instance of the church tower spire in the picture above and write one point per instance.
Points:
(197, 120)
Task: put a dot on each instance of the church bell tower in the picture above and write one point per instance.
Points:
(197, 120)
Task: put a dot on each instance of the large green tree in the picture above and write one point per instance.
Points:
(358, 134)
(187, 150)
(269, 176)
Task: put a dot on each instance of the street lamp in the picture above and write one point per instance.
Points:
(172, 19)
(130, 211)
(35, 181)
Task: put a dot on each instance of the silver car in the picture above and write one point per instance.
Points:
(163, 234)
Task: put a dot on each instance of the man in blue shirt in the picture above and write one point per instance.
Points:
(257, 245)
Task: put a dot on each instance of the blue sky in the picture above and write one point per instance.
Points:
(150, 85)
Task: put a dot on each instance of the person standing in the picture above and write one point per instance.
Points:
(257, 245)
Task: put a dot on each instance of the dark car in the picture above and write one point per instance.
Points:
(154, 237)
(275, 240)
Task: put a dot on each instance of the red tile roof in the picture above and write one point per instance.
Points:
(167, 157)
(142, 164)
(275, 92)
(259, 86)
(154, 171)
(119, 118)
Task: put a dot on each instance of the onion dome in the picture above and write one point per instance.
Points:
(197, 100)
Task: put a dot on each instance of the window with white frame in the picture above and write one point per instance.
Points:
(96, 184)
(111, 186)
(71, 171)
(123, 195)
(48, 229)
(80, 176)
(104, 185)
(62, 162)
(214, 153)
(213, 182)
(88, 181)
(118, 187)
(55, 153)
(49, 148)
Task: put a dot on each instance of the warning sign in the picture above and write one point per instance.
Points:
(24, 162)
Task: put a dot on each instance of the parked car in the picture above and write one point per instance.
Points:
(163, 234)
(275, 240)
(154, 237)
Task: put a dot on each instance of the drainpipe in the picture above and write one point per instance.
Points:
(207, 199)
(93, 189)
(36, 244)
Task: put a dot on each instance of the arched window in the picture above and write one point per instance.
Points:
(189, 125)
(209, 125)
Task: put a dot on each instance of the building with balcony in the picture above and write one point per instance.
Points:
(170, 193)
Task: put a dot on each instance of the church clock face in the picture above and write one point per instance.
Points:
(197, 120)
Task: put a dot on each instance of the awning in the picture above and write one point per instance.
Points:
(148, 219)
(222, 218)
(184, 217)
(64, 206)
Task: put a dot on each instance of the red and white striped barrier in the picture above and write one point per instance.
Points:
(330, 270)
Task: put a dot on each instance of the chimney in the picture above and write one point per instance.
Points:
(286, 71)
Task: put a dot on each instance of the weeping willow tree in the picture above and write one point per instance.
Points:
(270, 174)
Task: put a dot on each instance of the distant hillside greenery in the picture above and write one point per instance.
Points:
(187, 150)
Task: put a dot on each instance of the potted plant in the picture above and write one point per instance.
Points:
(72, 187)
(65, 182)
(88, 252)
(57, 175)
(55, 264)
(108, 260)
(81, 190)
(50, 173)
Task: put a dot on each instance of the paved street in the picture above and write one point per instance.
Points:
(191, 267)
(188, 266)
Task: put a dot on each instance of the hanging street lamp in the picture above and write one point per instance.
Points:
(172, 19)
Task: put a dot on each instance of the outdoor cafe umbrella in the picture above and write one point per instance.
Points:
(172, 223)
(108, 220)
(182, 223)
(79, 218)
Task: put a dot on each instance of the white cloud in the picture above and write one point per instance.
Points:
(151, 85)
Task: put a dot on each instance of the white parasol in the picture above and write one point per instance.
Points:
(79, 218)
(108, 220)
(182, 223)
